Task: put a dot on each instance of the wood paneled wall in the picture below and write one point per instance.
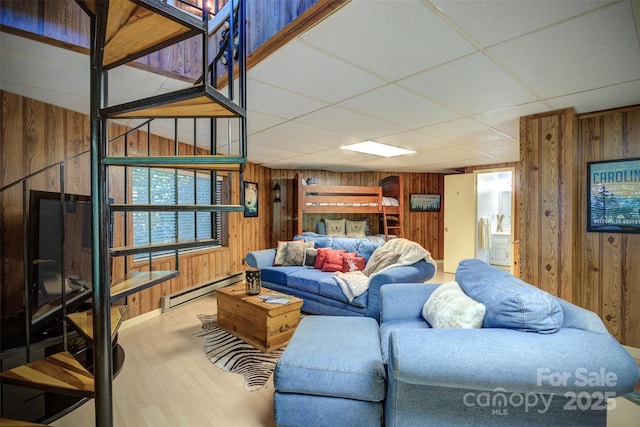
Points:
(597, 271)
(35, 135)
(425, 228)
(607, 264)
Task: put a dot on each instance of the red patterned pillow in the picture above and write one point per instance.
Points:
(333, 260)
(352, 264)
(322, 254)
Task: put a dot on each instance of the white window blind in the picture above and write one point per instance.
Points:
(157, 186)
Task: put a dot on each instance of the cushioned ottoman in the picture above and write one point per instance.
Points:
(331, 373)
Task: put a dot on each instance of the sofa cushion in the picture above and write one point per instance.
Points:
(333, 261)
(335, 227)
(282, 245)
(310, 255)
(336, 356)
(307, 280)
(278, 275)
(355, 228)
(510, 302)
(352, 263)
(322, 256)
(294, 252)
(329, 288)
(449, 307)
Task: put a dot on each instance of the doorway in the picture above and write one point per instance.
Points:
(494, 216)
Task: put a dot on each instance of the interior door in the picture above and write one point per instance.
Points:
(459, 220)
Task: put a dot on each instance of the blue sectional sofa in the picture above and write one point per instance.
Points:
(320, 291)
(533, 359)
(537, 360)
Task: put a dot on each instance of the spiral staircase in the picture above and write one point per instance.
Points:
(123, 31)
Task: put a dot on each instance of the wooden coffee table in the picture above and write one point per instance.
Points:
(266, 326)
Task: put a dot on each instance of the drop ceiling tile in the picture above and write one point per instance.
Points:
(601, 99)
(400, 106)
(257, 122)
(491, 22)
(507, 120)
(462, 131)
(414, 140)
(471, 85)
(306, 71)
(392, 39)
(507, 150)
(595, 50)
(308, 134)
(279, 102)
(283, 145)
(351, 123)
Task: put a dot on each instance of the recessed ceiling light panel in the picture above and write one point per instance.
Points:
(377, 149)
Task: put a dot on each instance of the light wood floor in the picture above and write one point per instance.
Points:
(167, 381)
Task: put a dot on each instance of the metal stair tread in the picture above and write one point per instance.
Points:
(17, 423)
(60, 373)
(83, 321)
(136, 281)
(157, 247)
(119, 207)
(203, 162)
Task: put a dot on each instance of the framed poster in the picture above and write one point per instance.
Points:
(250, 199)
(613, 196)
(424, 203)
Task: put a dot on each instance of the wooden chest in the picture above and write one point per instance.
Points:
(264, 325)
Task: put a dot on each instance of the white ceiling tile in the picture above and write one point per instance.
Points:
(392, 39)
(257, 122)
(463, 131)
(494, 21)
(312, 135)
(306, 71)
(349, 122)
(601, 99)
(278, 102)
(385, 102)
(414, 140)
(473, 84)
(594, 50)
(507, 120)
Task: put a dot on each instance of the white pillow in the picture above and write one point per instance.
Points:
(449, 307)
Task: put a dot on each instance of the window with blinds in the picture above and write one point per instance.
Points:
(157, 186)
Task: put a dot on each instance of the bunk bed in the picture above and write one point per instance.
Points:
(387, 200)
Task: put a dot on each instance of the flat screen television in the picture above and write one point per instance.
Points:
(60, 260)
(613, 196)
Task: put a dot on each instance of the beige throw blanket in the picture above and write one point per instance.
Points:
(394, 253)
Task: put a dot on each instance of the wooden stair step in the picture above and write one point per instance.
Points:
(138, 28)
(6, 422)
(60, 373)
(136, 281)
(83, 322)
(194, 101)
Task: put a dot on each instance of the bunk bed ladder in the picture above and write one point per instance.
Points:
(392, 224)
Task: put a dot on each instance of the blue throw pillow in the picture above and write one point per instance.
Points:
(510, 302)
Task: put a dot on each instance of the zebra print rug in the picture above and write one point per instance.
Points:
(234, 355)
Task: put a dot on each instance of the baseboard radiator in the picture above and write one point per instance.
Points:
(169, 302)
